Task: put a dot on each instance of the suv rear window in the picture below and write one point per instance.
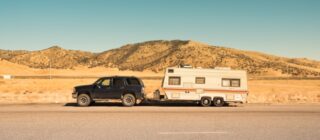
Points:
(133, 81)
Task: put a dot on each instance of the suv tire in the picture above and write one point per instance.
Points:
(84, 100)
(128, 100)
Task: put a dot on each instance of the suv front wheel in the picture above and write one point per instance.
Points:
(84, 100)
(128, 100)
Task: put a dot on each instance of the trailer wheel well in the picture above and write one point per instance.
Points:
(218, 97)
(206, 97)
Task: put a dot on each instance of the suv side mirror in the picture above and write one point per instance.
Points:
(97, 85)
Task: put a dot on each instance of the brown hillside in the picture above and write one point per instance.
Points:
(58, 57)
(157, 55)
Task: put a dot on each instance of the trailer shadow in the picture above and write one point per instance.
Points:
(162, 104)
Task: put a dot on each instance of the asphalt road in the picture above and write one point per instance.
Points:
(187, 122)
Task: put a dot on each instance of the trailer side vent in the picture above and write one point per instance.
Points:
(185, 66)
(170, 71)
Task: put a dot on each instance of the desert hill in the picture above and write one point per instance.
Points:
(55, 56)
(157, 55)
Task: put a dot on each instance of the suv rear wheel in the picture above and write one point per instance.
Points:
(128, 100)
(84, 100)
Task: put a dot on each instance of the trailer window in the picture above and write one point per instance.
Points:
(226, 82)
(200, 80)
(230, 82)
(174, 80)
(235, 82)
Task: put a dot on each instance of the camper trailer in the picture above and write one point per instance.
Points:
(216, 87)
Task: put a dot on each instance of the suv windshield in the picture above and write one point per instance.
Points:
(98, 81)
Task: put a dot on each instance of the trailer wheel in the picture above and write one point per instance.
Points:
(218, 101)
(205, 101)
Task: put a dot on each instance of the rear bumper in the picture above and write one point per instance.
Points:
(236, 102)
(141, 96)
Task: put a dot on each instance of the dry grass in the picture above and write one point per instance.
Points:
(59, 90)
(284, 91)
(261, 91)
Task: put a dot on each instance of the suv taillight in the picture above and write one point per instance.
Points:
(142, 90)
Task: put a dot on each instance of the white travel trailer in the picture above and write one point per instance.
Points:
(207, 86)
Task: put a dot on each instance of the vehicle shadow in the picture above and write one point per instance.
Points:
(94, 104)
(156, 104)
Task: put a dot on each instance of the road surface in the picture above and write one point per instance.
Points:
(167, 122)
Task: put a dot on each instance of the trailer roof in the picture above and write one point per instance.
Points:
(205, 69)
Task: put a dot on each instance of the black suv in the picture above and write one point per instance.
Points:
(129, 89)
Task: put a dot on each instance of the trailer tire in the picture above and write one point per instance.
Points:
(205, 101)
(218, 101)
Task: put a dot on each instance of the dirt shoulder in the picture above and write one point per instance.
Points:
(59, 90)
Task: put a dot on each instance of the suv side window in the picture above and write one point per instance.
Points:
(117, 82)
(133, 81)
(106, 82)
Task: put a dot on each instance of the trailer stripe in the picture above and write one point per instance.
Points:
(208, 90)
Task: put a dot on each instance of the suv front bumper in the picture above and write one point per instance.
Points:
(74, 95)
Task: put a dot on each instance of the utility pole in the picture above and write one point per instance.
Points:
(288, 69)
(50, 68)
(50, 77)
(288, 73)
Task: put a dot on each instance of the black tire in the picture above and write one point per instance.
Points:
(128, 100)
(218, 102)
(206, 101)
(84, 100)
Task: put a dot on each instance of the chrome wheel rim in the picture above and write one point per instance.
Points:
(129, 100)
(83, 100)
(218, 101)
(206, 102)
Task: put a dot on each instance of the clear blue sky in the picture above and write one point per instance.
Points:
(281, 27)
